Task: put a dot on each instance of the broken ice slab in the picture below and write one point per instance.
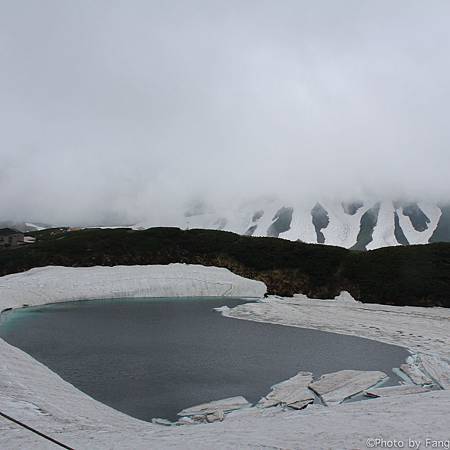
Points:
(185, 421)
(293, 392)
(215, 416)
(159, 421)
(437, 368)
(335, 387)
(390, 391)
(224, 405)
(415, 374)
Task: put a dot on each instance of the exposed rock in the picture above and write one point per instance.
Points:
(442, 231)
(335, 387)
(418, 218)
(351, 208)
(250, 230)
(320, 221)
(293, 392)
(398, 232)
(367, 226)
(390, 391)
(281, 222)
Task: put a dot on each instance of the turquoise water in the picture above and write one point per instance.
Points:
(154, 357)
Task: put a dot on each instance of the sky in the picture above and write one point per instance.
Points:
(115, 111)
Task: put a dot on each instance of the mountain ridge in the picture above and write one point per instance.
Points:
(358, 225)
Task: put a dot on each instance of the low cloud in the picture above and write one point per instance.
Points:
(123, 111)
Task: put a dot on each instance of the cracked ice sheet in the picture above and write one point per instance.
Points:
(334, 388)
(293, 392)
(389, 391)
(225, 405)
(88, 424)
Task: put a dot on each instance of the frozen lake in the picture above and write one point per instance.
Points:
(154, 357)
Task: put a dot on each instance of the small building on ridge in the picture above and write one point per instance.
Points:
(10, 238)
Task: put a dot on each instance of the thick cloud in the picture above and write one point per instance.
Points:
(120, 110)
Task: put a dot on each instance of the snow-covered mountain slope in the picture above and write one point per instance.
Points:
(362, 225)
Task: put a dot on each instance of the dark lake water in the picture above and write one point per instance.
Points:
(154, 357)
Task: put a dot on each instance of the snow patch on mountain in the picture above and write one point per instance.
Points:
(302, 227)
(343, 228)
(338, 223)
(433, 212)
(383, 234)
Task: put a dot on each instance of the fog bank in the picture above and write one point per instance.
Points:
(115, 112)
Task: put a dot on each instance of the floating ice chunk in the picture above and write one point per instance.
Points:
(390, 391)
(224, 405)
(335, 387)
(293, 392)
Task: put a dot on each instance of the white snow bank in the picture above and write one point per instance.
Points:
(57, 284)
